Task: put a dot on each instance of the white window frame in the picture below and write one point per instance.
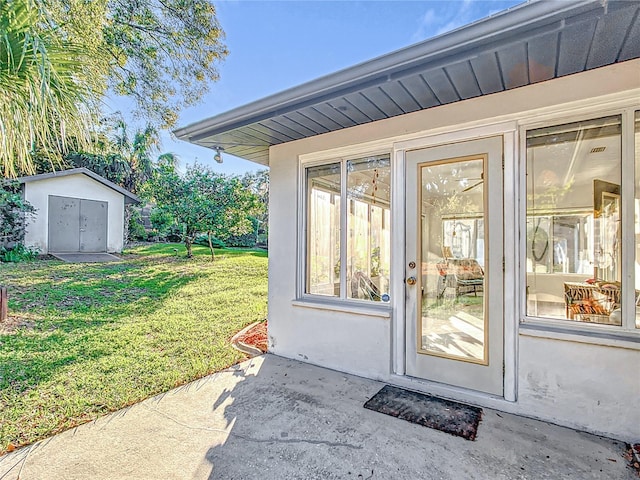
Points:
(561, 328)
(328, 301)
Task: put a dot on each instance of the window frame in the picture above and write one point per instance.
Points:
(303, 257)
(627, 329)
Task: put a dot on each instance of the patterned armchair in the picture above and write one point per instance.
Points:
(592, 302)
(465, 275)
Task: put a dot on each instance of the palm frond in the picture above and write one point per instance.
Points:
(47, 95)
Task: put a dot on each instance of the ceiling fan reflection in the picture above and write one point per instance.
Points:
(477, 184)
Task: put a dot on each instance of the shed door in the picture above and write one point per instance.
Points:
(93, 226)
(77, 225)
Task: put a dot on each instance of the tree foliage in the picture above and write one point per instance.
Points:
(48, 90)
(58, 58)
(124, 159)
(258, 183)
(203, 201)
(162, 53)
(14, 215)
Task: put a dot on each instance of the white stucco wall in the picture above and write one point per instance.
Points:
(73, 186)
(583, 385)
(590, 387)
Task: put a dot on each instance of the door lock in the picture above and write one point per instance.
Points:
(411, 281)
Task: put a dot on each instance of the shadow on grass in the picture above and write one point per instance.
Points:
(74, 306)
(179, 250)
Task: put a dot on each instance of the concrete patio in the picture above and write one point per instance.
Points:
(273, 418)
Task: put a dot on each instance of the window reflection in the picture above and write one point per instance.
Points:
(452, 234)
(323, 230)
(368, 227)
(366, 208)
(573, 230)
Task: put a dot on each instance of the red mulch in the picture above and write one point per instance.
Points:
(256, 337)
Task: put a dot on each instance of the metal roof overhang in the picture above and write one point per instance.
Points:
(527, 44)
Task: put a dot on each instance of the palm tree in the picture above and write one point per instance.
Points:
(137, 152)
(145, 143)
(47, 89)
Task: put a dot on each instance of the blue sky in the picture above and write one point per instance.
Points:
(274, 45)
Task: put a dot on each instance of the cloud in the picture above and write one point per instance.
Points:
(447, 16)
(424, 23)
(429, 17)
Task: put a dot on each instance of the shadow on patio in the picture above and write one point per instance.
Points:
(274, 418)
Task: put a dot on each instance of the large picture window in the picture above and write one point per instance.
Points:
(353, 195)
(574, 228)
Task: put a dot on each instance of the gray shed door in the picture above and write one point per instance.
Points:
(77, 225)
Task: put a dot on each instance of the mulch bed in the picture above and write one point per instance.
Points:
(256, 337)
(632, 455)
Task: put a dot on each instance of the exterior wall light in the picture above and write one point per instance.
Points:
(218, 156)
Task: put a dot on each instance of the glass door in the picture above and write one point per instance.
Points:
(454, 264)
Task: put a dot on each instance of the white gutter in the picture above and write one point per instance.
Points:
(532, 14)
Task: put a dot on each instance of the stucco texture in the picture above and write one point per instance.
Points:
(586, 386)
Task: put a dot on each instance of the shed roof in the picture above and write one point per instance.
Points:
(526, 44)
(128, 196)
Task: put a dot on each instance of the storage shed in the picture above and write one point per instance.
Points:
(77, 211)
(462, 216)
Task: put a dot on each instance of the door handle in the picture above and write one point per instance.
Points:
(411, 281)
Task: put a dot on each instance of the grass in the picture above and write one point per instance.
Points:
(87, 339)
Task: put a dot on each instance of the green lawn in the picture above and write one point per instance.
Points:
(93, 338)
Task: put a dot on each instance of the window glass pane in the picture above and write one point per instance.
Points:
(323, 230)
(637, 219)
(573, 221)
(453, 317)
(368, 227)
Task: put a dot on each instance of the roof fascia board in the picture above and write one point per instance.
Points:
(417, 66)
(540, 13)
(77, 171)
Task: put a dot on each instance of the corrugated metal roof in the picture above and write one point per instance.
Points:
(527, 44)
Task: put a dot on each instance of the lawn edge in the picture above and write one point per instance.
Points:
(243, 347)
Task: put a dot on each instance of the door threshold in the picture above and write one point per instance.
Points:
(450, 392)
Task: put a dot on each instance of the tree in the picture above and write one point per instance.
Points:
(203, 202)
(47, 93)
(162, 53)
(58, 57)
(120, 159)
(258, 183)
(137, 153)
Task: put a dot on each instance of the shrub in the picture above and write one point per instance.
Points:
(165, 227)
(248, 239)
(136, 228)
(19, 253)
(263, 240)
(15, 212)
(203, 240)
(173, 234)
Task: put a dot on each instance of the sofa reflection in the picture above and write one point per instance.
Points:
(463, 275)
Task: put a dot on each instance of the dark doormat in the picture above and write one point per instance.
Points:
(433, 412)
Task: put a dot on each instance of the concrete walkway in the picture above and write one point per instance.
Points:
(86, 257)
(273, 418)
